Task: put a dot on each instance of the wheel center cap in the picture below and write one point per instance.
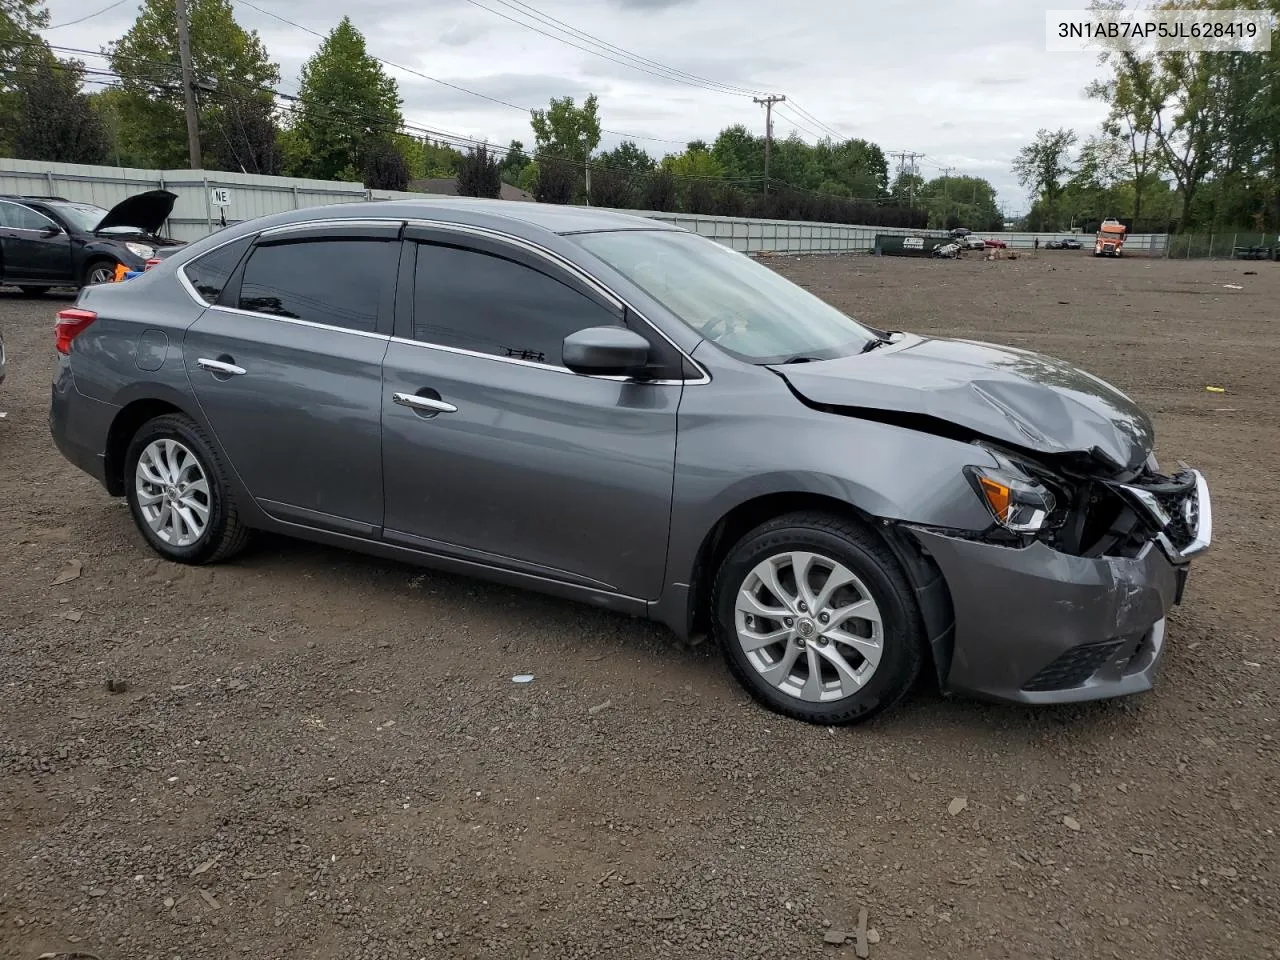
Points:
(806, 628)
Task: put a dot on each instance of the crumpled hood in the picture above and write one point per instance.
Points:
(143, 211)
(1003, 393)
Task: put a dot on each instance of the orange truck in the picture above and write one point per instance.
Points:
(1109, 240)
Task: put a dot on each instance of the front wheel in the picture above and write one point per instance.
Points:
(178, 493)
(99, 271)
(817, 620)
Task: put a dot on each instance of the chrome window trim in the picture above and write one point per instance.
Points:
(563, 262)
(465, 229)
(186, 281)
(47, 219)
(548, 367)
(298, 321)
(303, 225)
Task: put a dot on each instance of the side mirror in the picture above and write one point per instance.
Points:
(52, 230)
(605, 351)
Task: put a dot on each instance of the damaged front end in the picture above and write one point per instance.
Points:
(1064, 596)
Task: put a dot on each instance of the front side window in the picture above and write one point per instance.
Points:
(487, 304)
(210, 273)
(340, 282)
(751, 311)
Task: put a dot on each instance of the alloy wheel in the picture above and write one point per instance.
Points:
(101, 274)
(173, 492)
(809, 626)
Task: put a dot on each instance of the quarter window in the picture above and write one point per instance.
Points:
(340, 283)
(210, 273)
(488, 304)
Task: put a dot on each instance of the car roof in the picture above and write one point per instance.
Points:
(471, 211)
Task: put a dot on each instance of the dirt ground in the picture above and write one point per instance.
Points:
(321, 755)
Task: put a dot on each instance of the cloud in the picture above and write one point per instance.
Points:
(976, 87)
(461, 34)
(653, 4)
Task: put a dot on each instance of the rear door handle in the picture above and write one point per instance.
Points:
(217, 366)
(423, 403)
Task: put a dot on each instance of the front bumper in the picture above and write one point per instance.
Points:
(1033, 625)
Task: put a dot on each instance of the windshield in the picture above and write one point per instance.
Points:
(81, 216)
(729, 298)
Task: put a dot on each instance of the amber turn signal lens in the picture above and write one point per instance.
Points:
(997, 495)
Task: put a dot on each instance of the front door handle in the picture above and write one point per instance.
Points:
(429, 404)
(217, 366)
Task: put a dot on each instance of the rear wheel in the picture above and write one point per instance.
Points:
(178, 493)
(817, 620)
(99, 271)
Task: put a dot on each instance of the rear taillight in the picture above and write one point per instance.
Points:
(71, 323)
(150, 263)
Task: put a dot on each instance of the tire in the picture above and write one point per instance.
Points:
(93, 272)
(171, 444)
(34, 291)
(866, 688)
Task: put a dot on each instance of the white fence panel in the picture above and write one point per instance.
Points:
(195, 216)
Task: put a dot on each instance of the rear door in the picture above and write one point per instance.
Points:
(33, 246)
(287, 367)
(518, 462)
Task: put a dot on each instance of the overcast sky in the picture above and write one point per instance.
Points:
(964, 83)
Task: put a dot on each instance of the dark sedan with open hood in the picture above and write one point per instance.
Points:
(51, 242)
(608, 409)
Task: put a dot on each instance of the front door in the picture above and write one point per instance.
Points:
(287, 367)
(495, 452)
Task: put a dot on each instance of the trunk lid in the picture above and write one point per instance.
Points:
(1005, 394)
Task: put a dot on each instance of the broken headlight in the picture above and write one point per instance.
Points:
(1017, 499)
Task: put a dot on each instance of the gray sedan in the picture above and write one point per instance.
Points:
(619, 412)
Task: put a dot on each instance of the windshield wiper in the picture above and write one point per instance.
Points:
(801, 358)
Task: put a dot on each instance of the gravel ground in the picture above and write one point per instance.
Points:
(321, 755)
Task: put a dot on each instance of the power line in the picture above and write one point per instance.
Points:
(801, 126)
(642, 64)
(88, 16)
(805, 113)
(446, 83)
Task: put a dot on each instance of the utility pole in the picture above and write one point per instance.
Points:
(946, 173)
(188, 83)
(768, 103)
(907, 163)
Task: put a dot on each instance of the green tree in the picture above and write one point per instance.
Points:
(513, 162)
(626, 158)
(739, 152)
(347, 105)
(567, 131)
(479, 174)
(1042, 166)
(230, 65)
(383, 165)
(56, 121)
(20, 23)
(696, 162)
(557, 182)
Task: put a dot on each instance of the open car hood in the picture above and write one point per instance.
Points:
(142, 211)
(1001, 393)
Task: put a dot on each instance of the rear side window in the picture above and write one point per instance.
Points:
(209, 273)
(487, 304)
(17, 217)
(340, 283)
